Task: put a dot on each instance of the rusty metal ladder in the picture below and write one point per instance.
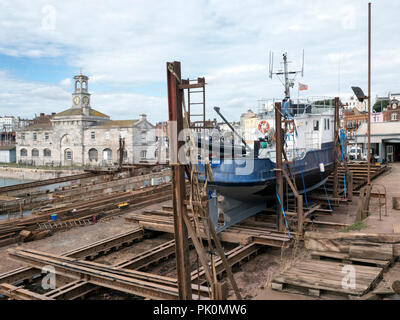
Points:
(196, 93)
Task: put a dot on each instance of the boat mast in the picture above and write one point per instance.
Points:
(288, 82)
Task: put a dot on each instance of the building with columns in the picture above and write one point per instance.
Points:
(82, 135)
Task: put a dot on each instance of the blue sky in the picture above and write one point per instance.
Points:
(123, 46)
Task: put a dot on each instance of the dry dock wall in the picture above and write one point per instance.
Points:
(35, 174)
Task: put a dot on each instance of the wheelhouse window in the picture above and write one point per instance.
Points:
(316, 125)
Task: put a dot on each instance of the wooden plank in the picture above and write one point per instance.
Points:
(344, 257)
(377, 252)
(327, 276)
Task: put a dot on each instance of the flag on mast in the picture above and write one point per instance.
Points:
(302, 86)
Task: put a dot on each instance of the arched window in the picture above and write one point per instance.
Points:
(107, 154)
(47, 152)
(78, 84)
(23, 153)
(84, 84)
(35, 153)
(93, 154)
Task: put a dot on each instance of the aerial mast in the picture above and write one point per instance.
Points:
(288, 76)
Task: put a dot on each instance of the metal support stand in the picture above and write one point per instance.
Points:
(278, 172)
(335, 150)
(178, 183)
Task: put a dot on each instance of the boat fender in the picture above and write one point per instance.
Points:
(321, 167)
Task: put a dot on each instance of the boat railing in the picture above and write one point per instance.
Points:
(299, 106)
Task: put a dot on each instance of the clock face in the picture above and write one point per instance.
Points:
(85, 100)
(76, 100)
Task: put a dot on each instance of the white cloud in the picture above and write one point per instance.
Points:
(123, 47)
(66, 82)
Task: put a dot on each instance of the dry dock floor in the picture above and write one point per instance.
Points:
(253, 277)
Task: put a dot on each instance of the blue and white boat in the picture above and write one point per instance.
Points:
(243, 184)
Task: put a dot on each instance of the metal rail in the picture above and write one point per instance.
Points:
(129, 281)
(88, 251)
(16, 293)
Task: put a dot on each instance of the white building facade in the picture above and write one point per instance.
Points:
(82, 135)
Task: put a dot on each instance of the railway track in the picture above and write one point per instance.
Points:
(134, 282)
(89, 251)
(106, 205)
(80, 287)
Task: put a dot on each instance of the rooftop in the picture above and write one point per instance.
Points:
(43, 125)
(7, 147)
(118, 123)
(380, 128)
(79, 112)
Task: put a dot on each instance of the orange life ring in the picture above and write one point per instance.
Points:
(290, 128)
(263, 126)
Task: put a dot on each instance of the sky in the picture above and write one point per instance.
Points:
(123, 47)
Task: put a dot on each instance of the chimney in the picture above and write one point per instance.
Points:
(142, 116)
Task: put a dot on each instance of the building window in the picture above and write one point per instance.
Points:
(143, 137)
(124, 155)
(143, 154)
(394, 116)
(93, 155)
(107, 154)
(93, 135)
(107, 135)
(316, 125)
(23, 153)
(68, 154)
(327, 122)
(34, 136)
(46, 136)
(35, 153)
(23, 136)
(47, 152)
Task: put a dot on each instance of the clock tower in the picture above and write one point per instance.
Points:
(81, 97)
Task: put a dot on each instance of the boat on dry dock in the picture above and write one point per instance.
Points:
(243, 183)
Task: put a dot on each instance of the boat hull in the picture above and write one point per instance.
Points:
(259, 182)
